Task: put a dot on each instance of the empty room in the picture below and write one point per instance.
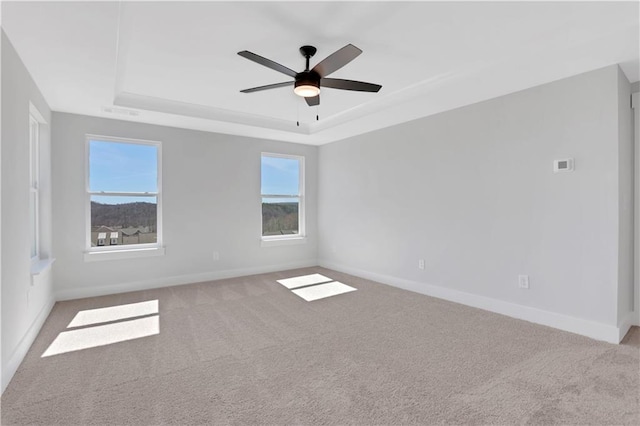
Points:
(283, 213)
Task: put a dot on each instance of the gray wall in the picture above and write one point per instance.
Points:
(625, 198)
(635, 88)
(24, 306)
(211, 202)
(472, 192)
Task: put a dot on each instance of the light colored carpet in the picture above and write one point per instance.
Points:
(249, 351)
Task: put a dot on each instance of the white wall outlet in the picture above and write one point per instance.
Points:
(216, 256)
(563, 165)
(523, 281)
(420, 263)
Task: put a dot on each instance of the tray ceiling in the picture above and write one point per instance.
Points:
(176, 63)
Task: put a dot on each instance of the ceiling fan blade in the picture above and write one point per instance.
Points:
(267, 63)
(359, 86)
(337, 60)
(313, 101)
(267, 87)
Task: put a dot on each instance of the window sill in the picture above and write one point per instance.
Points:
(272, 242)
(92, 256)
(41, 265)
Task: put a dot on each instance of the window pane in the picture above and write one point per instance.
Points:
(122, 167)
(280, 216)
(33, 220)
(280, 176)
(123, 220)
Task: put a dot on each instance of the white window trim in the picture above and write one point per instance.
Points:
(300, 237)
(122, 251)
(34, 179)
(43, 261)
(118, 254)
(41, 265)
(279, 241)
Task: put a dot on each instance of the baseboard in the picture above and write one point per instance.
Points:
(626, 323)
(79, 293)
(592, 329)
(21, 350)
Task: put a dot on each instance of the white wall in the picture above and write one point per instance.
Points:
(24, 306)
(211, 202)
(626, 204)
(635, 89)
(472, 192)
(2, 385)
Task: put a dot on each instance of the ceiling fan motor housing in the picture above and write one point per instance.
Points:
(307, 78)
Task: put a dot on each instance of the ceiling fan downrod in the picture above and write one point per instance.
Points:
(308, 52)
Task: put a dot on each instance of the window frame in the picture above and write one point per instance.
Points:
(301, 235)
(139, 249)
(34, 185)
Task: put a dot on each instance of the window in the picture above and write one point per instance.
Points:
(123, 194)
(39, 217)
(34, 191)
(282, 193)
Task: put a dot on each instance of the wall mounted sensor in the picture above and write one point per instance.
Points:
(564, 165)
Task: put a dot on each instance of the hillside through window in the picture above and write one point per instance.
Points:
(124, 194)
(282, 196)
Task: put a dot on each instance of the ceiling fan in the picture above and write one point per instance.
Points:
(308, 82)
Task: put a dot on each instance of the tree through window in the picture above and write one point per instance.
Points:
(123, 193)
(282, 192)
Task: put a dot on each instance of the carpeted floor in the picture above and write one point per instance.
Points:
(250, 351)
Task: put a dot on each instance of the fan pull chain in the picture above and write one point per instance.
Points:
(298, 115)
(318, 113)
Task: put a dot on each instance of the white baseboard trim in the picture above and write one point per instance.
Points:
(82, 292)
(592, 329)
(627, 322)
(21, 350)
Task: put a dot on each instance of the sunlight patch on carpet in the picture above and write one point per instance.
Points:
(84, 338)
(304, 280)
(321, 291)
(114, 313)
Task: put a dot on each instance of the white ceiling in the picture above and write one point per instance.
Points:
(175, 63)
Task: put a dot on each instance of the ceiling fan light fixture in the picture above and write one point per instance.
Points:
(306, 84)
(306, 89)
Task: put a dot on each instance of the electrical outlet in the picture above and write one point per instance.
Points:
(523, 281)
(216, 256)
(420, 263)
